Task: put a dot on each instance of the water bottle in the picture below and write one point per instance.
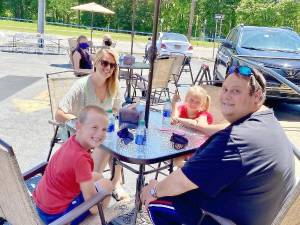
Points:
(111, 124)
(140, 136)
(166, 114)
(140, 108)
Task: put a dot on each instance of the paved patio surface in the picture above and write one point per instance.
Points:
(25, 110)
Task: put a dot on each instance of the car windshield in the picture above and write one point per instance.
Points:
(271, 39)
(174, 36)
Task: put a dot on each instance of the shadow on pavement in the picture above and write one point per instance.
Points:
(65, 66)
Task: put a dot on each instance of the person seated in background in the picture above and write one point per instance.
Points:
(81, 58)
(107, 41)
(148, 50)
(243, 172)
(69, 179)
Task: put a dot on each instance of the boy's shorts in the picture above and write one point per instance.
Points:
(48, 218)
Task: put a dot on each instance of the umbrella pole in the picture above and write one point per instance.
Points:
(92, 23)
(128, 98)
(132, 25)
(153, 56)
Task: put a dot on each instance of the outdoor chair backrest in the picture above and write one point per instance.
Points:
(215, 105)
(290, 211)
(72, 44)
(179, 59)
(162, 72)
(58, 85)
(15, 203)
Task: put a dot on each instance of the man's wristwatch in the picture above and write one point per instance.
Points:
(153, 192)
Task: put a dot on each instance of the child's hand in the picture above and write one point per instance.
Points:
(174, 120)
(176, 98)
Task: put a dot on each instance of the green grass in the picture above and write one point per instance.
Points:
(75, 32)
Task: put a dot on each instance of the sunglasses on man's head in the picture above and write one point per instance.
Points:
(241, 70)
(246, 72)
(105, 63)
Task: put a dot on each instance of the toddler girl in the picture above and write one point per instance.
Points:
(192, 113)
(194, 110)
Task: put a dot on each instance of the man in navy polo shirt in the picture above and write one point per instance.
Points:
(243, 173)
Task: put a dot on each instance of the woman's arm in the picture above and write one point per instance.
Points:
(116, 103)
(62, 117)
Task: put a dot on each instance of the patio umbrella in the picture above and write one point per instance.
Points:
(92, 7)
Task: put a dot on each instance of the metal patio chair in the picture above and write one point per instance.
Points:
(161, 76)
(176, 69)
(186, 68)
(58, 85)
(289, 213)
(16, 204)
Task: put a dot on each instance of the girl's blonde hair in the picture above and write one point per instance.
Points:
(201, 93)
(113, 80)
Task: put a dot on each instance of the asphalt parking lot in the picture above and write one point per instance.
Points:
(25, 109)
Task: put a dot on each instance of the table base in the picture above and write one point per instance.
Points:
(129, 217)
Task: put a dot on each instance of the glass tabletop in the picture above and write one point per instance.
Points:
(158, 146)
(136, 65)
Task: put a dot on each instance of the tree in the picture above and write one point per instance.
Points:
(191, 21)
(264, 13)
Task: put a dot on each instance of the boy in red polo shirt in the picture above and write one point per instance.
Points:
(69, 178)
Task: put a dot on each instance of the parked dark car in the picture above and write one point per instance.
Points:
(271, 47)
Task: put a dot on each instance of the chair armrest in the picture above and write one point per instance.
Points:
(53, 122)
(296, 151)
(138, 76)
(35, 170)
(216, 218)
(67, 218)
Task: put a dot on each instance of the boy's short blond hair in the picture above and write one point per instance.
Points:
(90, 108)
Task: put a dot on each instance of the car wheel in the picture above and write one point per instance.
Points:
(271, 103)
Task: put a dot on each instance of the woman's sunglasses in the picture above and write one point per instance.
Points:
(105, 63)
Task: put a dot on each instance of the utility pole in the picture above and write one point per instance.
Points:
(218, 18)
(41, 21)
(193, 5)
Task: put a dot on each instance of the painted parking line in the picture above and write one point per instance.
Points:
(37, 103)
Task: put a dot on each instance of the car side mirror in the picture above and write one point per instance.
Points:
(227, 44)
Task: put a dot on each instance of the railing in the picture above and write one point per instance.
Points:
(270, 72)
(81, 26)
(33, 43)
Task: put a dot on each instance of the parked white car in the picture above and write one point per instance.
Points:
(171, 43)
